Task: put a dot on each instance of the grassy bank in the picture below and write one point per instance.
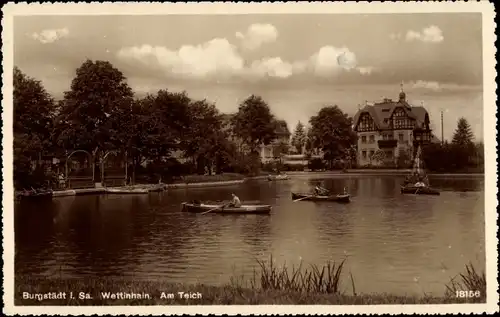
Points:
(269, 285)
(193, 179)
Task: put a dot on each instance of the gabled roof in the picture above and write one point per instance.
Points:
(383, 110)
(282, 128)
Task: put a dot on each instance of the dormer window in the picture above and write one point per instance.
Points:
(366, 123)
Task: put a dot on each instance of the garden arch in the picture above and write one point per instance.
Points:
(86, 181)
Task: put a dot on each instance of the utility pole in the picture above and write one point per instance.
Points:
(442, 131)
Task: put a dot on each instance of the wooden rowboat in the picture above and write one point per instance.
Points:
(221, 209)
(344, 198)
(416, 190)
(123, 191)
(34, 194)
(277, 177)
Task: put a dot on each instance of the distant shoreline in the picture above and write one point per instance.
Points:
(205, 184)
(384, 172)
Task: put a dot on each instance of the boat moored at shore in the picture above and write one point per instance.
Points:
(278, 177)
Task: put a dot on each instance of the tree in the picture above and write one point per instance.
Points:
(92, 110)
(254, 123)
(299, 138)
(331, 131)
(379, 156)
(34, 111)
(463, 143)
(463, 135)
(203, 138)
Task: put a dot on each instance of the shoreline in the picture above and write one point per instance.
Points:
(147, 188)
(140, 188)
(132, 292)
(382, 172)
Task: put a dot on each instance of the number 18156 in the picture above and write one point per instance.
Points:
(468, 294)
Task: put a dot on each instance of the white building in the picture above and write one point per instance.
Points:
(389, 127)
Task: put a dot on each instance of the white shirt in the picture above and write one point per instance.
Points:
(236, 201)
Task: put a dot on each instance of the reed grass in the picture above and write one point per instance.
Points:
(315, 279)
(469, 281)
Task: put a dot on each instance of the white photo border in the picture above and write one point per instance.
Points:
(130, 8)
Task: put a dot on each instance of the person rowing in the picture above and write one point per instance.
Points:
(235, 202)
(320, 191)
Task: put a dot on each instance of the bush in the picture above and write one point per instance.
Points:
(316, 164)
(294, 167)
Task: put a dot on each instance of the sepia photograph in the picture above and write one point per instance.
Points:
(221, 158)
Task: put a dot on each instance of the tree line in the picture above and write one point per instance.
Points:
(100, 115)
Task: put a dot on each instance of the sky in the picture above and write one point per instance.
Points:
(297, 63)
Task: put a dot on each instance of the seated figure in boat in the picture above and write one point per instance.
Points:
(408, 180)
(235, 202)
(321, 191)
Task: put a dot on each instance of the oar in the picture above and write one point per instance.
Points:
(296, 200)
(218, 207)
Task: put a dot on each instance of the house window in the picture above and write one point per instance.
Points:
(401, 137)
(363, 154)
(371, 153)
(372, 139)
(366, 123)
(400, 120)
(363, 139)
(388, 154)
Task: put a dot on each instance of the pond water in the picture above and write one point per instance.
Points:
(400, 244)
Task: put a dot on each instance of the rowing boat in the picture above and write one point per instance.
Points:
(344, 198)
(34, 194)
(420, 183)
(419, 190)
(277, 177)
(222, 209)
(118, 190)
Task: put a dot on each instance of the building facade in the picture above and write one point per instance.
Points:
(387, 129)
(279, 146)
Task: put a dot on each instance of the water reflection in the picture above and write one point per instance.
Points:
(394, 243)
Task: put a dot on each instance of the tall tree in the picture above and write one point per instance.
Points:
(463, 135)
(463, 143)
(299, 138)
(34, 110)
(254, 123)
(331, 131)
(202, 139)
(92, 108)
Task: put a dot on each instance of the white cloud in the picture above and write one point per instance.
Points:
(215, 57)
(432, 85)
(330, 60)
(50, 36)
(220, 59)
(430, 34)
(367, 70)
(273, 67)
(257, 35)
